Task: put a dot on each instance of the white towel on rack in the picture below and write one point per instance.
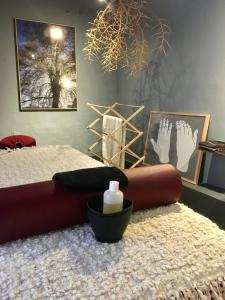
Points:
(111, 143)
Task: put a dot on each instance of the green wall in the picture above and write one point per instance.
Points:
(93, 85)
(191, 78)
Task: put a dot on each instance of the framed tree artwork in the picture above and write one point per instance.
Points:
(173, 138)
(46, 66)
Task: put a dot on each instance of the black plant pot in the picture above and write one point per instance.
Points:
(108, 228)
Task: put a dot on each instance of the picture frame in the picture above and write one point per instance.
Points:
(46, 66)
(173, 137)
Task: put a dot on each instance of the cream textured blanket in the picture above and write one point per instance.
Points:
(28, 165)
(166, 253)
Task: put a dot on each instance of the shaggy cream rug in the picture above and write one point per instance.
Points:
(166, 253)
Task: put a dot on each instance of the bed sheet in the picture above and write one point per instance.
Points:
(36, 164)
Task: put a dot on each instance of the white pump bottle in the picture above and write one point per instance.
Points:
(112, 198)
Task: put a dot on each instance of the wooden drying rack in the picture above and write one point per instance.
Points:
(126, 124)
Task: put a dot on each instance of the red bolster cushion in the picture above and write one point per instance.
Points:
(40, 207)
(17, 141)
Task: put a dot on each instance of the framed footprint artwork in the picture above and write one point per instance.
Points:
(173, 138)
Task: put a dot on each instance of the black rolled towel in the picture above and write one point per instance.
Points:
(91, 179)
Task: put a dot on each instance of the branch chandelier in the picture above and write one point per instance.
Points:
(116, 36)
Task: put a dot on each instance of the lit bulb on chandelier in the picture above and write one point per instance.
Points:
(106, 1)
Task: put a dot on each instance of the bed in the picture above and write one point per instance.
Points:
(169, 252)
(34, 164)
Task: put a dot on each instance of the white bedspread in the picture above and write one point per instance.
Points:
(169, 252)
(28, 165)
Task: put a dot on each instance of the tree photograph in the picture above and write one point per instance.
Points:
(46, 60)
